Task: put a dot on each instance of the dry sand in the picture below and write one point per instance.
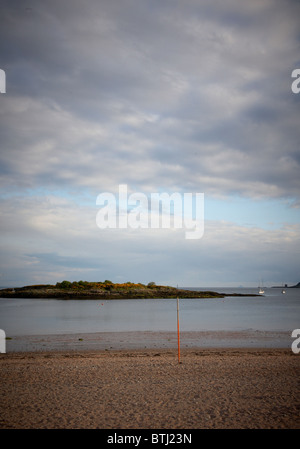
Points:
(149, 389)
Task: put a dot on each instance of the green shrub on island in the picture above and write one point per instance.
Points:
(151, 284)
(106, 285)
(64, 284)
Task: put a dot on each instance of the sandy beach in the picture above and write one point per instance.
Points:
(218, 388)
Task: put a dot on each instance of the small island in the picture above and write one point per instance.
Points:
(107, 290)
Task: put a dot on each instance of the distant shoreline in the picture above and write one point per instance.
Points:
(287, 286)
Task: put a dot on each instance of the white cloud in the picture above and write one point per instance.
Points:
(38, 235)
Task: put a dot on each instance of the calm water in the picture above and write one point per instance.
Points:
(273, 312)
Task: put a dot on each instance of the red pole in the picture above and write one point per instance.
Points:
(178, 334)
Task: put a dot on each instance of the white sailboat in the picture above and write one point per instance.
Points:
(261, 290)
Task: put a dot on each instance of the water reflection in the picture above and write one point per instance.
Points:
(46, 316)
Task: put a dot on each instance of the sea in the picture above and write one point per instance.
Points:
(271, 314)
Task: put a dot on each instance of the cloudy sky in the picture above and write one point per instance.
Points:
(162, 96)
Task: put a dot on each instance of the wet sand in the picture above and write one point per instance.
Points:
(218, 388)
(149, 340)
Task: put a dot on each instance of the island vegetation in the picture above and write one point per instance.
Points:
(106, 290)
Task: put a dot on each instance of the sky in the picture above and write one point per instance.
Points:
(190, 96)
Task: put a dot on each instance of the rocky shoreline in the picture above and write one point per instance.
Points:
(107, 290)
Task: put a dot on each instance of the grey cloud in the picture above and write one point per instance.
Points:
(226, 253)
(161, 95)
